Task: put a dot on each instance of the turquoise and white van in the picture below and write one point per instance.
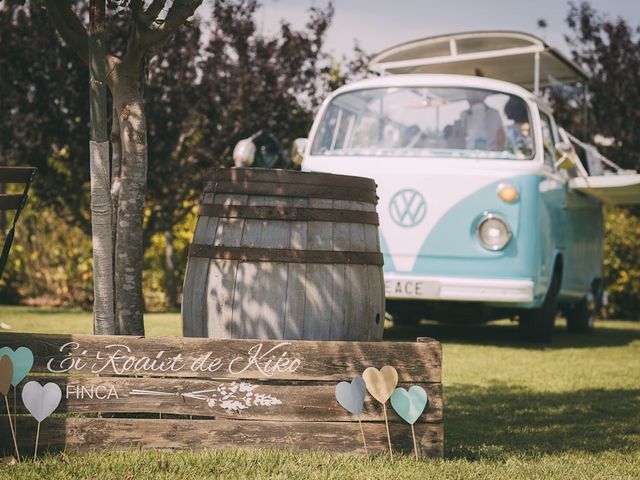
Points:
(479, 218)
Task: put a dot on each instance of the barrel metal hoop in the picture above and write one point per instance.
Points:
(281, 255)
(294, 190)
(289, 214)
(271, 175)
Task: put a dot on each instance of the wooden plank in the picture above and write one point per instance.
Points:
(220, 289)
(357, 238)
(268, 297)
(247, 359)
(341, 240)
(339, 328)
(10, 201)
(353, 301)
(244, 304)
(91, 434)
(229, 231)
(227, 199)
(372, 238)
(193, 324)
(294, 310)
(16, 174)
(377, 296)
(309, 402)
(275, 233)
(291, 176)
(317, 307)
(194, 304)
(320, 236)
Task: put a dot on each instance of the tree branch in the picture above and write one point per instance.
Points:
(151, 14)
(69, 27)
(155, 38)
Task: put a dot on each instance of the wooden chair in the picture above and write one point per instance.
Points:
(13, 201)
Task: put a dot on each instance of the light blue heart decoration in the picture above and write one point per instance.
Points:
(351, 395)
(22, 359)
(409, 404)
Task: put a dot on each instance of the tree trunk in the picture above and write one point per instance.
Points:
(170, 269)
(130, 212)
(116, 163)
(103, 300)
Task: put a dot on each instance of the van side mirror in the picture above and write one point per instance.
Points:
(565, 160)
(244, 153)
(297, 150)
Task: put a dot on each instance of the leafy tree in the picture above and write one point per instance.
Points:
(609, 50)
(44, 98)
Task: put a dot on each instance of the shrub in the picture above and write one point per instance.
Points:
(622, 263)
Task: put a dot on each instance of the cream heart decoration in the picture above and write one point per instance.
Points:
(381, 383)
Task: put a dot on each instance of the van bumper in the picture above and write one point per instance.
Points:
(458, 288)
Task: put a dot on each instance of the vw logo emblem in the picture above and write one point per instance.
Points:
(407, 207)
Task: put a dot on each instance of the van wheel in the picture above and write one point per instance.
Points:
(581, 316)
(536, 325)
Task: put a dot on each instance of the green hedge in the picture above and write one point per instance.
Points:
(622, 263)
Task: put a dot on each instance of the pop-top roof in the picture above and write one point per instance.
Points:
(503, 55)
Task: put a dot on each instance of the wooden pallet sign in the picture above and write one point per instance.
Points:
(187, 393)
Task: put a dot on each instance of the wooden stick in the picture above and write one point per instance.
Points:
(15, 412)
(386, 423)
(35, 450)
(415, 446)
(13, 432)
(364, 440)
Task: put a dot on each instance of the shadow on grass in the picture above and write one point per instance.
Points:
(498, 421)
(507, 335)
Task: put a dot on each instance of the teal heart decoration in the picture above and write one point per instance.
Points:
(351, 395)
(22, 359)
(409, 404)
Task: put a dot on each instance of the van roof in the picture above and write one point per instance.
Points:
(516, 57)
(433, 80)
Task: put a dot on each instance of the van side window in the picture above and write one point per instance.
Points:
(548, 142)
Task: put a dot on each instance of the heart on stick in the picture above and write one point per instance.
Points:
(6, 374)
(41, 401)
(409, 404)
(22, 359)
(351, 395)
(380, 383)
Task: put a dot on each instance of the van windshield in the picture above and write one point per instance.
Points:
(426, 122)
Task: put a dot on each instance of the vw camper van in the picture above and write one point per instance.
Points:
(485, 209)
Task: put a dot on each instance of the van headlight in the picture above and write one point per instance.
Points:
(493, 232)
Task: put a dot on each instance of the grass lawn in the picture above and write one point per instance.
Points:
(567, 410)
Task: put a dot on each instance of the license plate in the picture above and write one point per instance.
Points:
(412, 288)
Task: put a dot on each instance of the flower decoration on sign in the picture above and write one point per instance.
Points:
(235, 396)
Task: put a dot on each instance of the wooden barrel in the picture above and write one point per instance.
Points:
(280, 254)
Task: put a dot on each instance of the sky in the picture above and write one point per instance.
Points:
(378, 24)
